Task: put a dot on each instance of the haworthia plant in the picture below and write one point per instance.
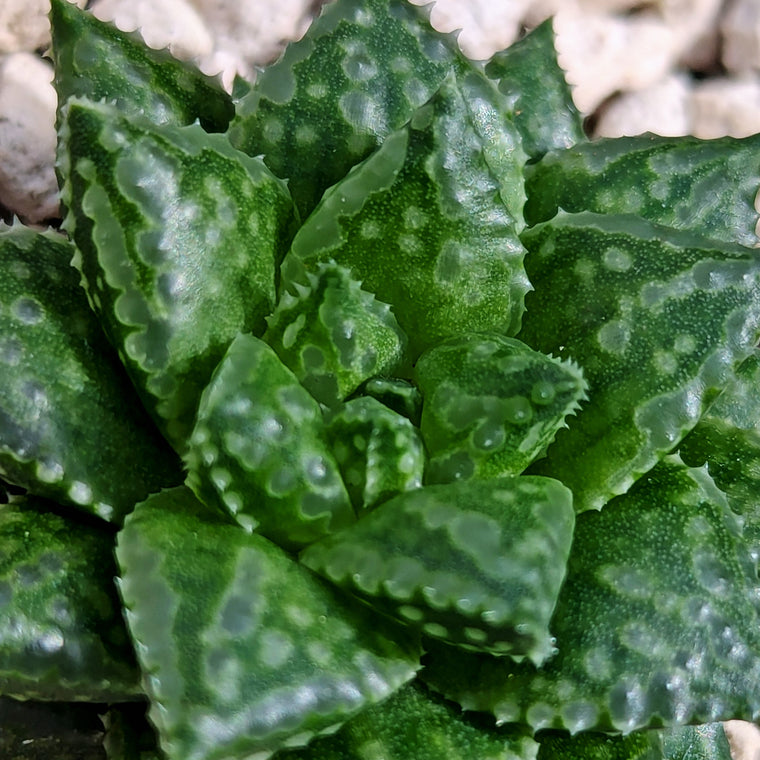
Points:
(436, 366)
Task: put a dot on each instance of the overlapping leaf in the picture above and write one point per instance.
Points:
(659, 320)
(63, 430)
(244, 651)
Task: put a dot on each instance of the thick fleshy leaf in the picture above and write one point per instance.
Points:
(379, 452)
(705, 186)
(397, 394)
(414, 724)
(358, 74)
(478, 564)
(491, 405)
(333, 335)
(642, 745)
(244, 651)
(71, 426)
(423, 224)
(96, 60)
(705, 742)
(259, 450)
(529, 77)
(657, 318)
(656, 623)
(62, 636)
(179, 236)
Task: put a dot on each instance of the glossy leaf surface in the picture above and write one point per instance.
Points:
(96, 60)
(179, 238)
(658, 319)
(244, 651)
(397, 394)
(529, 77)
(358, 74)
(259, 450)
(491, 405)
(333, 335)
(61, 632)
(656, 623)
(478, 564)
(413, 723)
(423, 223)
(63, 431)
(705, 186)
(379, 452)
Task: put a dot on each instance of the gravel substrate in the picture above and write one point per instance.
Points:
(667, 66)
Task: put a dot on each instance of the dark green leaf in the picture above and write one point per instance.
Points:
(399, 395)
(96, 60)
(259, 450)
(244, 651)
(656, 623)
(333, 335)
(705, 186)
(491, 405)
(478, 564)
(424, 222)
(179, 238)
(379, 452)
(71, 427)
(62, 636)
(705, 742)
(414, 724)
(658, 319)
(529, 77)
(641, 745)
(359, 73)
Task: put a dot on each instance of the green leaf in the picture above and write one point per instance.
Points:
(657, 318)
(491, 405)
(243, 650)
(61, 632)
(423, 222)
(414, 724)
(641, 745)
(96, 60)
(71, 426)
(357, 75)
(179, 238)
(705, 742)
(397, 394)
(706, 186)
(259, 450)
(333, 335)
(529, 77)
(478, 564)
(379, 452)
(128, 735)
(656, 623)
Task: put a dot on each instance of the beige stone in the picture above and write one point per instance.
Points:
(24, 25)
(172, 24)
(744, 739)
(663, 109)
(28, 185)
(726, 106)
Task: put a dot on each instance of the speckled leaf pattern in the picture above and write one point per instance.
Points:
(491, 405)
(727, 439)
(62, 636)
(415, 724)
(658, 319)
(656, 621)
(705, 742)
(358, 74)
(478, 564)
(427, 204)
(96, 60)
(705, 186)
(333, 335)
(63, 431)
(259, 450)
(244, 651)
(400, 395)
(530, 79)
(379, 452)
(596, 746)
(179, 238)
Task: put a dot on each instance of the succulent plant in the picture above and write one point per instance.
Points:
(374, 412)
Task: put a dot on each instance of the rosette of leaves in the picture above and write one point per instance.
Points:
(420, 409)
